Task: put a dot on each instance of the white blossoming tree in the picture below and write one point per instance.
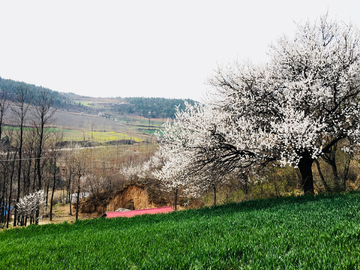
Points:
(291, 110)
(171, 175)
(28, 205)
(184, 145)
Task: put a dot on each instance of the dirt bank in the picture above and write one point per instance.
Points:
(132, 197)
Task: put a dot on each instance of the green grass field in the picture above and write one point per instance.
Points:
(51, 129)
(320, 232)
(97, 136)
(138, 122)
(135, 129)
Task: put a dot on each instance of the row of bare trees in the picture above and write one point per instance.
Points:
(27, 149)
(32, 162)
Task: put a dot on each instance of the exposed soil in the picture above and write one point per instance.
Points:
(131, 197)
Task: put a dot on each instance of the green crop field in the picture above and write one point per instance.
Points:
(140, 121)
(46, 130)
(320, 232)
(97, 136)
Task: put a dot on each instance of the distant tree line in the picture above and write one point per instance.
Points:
(12, 86)
(158, 107)
(153, 107)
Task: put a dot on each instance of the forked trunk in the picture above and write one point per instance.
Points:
(307, 180)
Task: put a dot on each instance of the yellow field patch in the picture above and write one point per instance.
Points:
(98, 136)
(111, 136)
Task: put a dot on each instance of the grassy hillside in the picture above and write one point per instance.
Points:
(285, 233)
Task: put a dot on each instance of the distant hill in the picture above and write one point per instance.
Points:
(138, 106)
(11, 86)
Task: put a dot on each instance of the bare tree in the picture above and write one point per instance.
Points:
(80, 163)
(42, 116)
(54, 155)
(4, 104)
(8, 163)
(20, 109)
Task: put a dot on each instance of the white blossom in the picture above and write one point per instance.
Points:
(291, 110)
(28, 204)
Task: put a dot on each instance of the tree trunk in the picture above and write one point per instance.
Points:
(19, 170)
(175, 199)
(336, 176)
(307, 180)
(277, 193)
(11, 181)
(34, 182)
(47, 196)
(77, 200)
(52, 194)
(70, 196)
(214, 187)
(38, 160)
(3, 198)
(327, 189)
(27, 183)
(345, 173)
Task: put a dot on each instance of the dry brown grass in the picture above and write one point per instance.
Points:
(61, 214)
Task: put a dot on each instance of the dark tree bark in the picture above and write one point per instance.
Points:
(3, 195)
(4, 105)
(346, 172)
(53, 166)
(277, 193)
(214, 189)
(69, 189)
(327, 189)
(11, 181)
(330, 158)
(175, 198)
(27, 178)
(78, 199)
(307, 180)
(53, 190)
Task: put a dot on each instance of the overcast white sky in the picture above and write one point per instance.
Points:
(144, 48)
